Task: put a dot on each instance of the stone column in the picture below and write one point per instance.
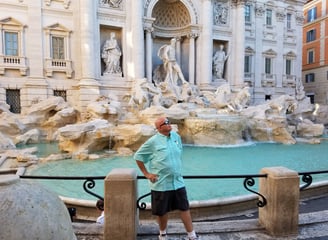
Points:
(149, 53)
(35, 31)
(35, 85)
(136, 40)
(178, 50)
(192, 57)
(279, 63)
(236, 60)
(121, 214)
(259, 60)
(206, 38)
(88, 86)
(281, 189)
(89, 53)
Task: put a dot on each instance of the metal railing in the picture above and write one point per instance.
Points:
(307, 177)
(89, 183)
(248, 182)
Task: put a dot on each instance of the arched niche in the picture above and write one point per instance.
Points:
(172, 19)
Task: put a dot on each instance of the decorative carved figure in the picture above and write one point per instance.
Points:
(111, 54)
(112, 3)
(172, 69)
(218, 62)
(220, 14)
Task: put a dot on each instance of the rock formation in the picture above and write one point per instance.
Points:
(221, 117)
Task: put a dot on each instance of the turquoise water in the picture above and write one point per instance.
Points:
(242, 160)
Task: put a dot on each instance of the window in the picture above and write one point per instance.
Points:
(268, 65)
(247, 64)
(312, 14)
(58, 48)
(310, 77)
(310, 35)
(60, 93)
(247, 13)
(267, 97)
(289, 21)
(11, 43)
(269, 17)
(12, 48)
(13, 100)
(311, 96)
(310, 56)
(288, 66)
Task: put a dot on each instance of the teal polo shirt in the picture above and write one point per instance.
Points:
(162, 156)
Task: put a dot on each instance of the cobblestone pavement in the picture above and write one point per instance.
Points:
(313, 225)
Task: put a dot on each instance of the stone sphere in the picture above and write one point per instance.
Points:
(30, 211)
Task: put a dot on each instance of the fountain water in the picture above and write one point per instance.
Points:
(246, 159)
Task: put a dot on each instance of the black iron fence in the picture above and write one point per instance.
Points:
(307, 177)
(248, 182)
(88, 184)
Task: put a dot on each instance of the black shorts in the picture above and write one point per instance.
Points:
(163, 202)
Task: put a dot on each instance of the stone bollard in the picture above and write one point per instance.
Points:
(281, 189)
(30, 211)
(121, 214)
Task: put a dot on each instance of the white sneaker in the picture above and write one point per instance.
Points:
(194, 238)
(162, 237)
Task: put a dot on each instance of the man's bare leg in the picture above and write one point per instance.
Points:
(162, 222)
(187, 221)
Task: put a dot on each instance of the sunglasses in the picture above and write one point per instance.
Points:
(166, 122)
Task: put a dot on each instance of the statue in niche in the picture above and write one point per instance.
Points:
(111, 54)
(170, 68)
(219, 60)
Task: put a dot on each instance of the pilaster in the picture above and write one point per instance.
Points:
(236, 73)
(206, 38)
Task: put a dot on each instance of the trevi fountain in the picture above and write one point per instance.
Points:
(202, 118)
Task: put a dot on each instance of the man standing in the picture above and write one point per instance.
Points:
(162, 155)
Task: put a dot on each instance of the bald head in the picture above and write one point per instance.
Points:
(163, 126)
(159, 122)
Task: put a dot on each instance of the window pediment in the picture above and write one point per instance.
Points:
(270, 53)
(249, 50)
(290, 55)
(57, 27)
(11, 23)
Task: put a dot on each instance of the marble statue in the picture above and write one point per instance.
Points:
(219, 60)
(171, 70)
(240, 100)
(111, 54)
(143, 94)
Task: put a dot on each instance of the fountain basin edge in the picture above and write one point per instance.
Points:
(211, 209)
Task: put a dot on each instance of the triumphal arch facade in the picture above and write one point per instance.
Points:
(83, 49)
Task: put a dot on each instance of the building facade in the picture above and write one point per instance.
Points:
(315, 51)
(55, 47)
